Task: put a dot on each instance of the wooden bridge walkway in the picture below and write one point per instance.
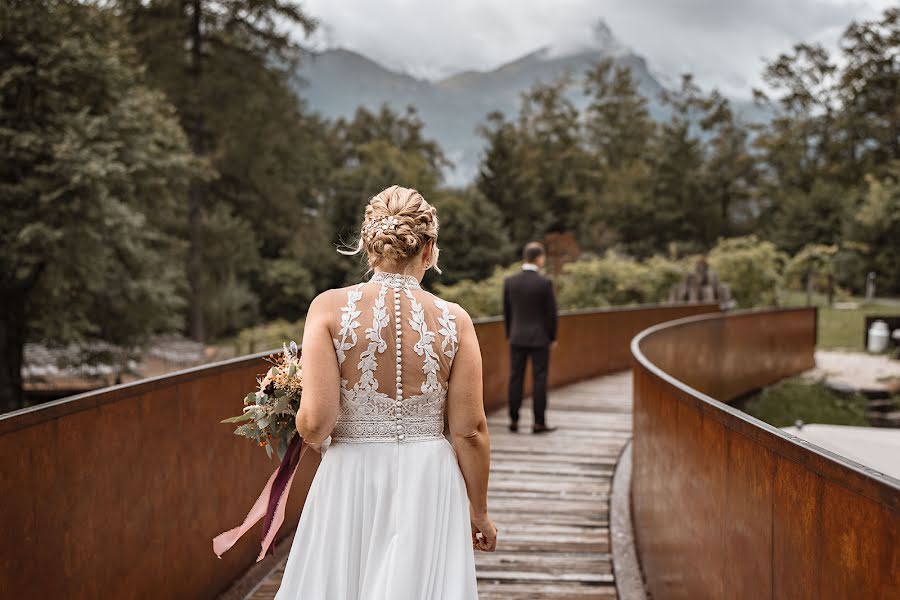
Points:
(549, 497)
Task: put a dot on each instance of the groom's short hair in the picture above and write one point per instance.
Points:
(532, 251)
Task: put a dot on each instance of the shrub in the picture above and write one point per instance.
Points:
(751, 268)
(616, 280)
(480, 298)
(789, 401)
(814, 261)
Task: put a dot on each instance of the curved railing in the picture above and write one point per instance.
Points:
(726, 506)
(117, 493)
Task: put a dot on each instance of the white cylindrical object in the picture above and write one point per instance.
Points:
(878, 337)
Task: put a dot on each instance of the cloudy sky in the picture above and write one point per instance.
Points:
(722, 42)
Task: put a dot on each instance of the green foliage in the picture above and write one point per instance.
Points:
(92, 164)
(814, 265)
(614, 178)
(612, 280)
(371, 152)
(681, 211)
(470, 241)
(504, 180)
(617, 122)
(618, 133)
(875, 228)
(730, 172)
(156, 164)
(228, 301)
(616, 280)
(288, 288)
(535, 169)
(813, 217)
(266, 154)
(479, 298)
(785, 403)
(752, 269)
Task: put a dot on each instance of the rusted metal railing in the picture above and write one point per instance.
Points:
(118, 493)
(726, 506)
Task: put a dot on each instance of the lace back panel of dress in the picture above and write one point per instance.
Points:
(395, 347)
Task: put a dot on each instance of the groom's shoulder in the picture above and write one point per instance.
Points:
(514, 277)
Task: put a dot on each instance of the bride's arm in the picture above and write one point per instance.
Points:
(468, 429)
(321, 375)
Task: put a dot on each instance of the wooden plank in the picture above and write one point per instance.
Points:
(549, 497)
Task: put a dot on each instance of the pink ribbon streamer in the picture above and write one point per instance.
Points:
(269, 506)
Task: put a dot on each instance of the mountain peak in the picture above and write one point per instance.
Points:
(598, 38)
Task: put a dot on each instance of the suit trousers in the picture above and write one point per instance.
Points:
(540, 362)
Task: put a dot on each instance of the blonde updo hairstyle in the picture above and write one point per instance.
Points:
(399, 223)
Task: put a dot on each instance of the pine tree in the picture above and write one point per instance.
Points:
(554, 187)
(730, 171)
(682, 212)
(92, 164)
(618, 132)
(869, 88)
(503, 177)
(617, 123)
(372, 151)
(225, 64)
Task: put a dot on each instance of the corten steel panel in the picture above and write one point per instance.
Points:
(747, 532)
(861, 546)
(726, 506)
(495, 361)
(795, 531)
(119, 492)
(707, 497)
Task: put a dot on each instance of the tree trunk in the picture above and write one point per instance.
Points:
(195, 263)
(194, 131)
(12, 347)
(809, 288)
(830, 290)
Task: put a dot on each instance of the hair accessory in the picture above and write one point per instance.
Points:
(383, 224)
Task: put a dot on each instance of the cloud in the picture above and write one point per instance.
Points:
(723, 42)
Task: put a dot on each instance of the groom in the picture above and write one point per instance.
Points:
(529, 312)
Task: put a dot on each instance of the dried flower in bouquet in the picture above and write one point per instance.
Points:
(271, 409)
(270, 412)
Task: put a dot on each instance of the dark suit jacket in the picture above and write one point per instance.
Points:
(529, 309)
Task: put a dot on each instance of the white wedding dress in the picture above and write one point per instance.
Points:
(387, 516)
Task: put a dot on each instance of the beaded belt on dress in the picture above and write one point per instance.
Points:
(384, 429)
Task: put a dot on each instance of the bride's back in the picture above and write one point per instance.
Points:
(383, 362)
(395, 345)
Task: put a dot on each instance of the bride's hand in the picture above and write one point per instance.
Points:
(484, 534)
(322, 446)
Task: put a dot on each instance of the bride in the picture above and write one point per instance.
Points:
(394, 510)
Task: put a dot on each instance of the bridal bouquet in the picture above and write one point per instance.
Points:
(270, 413)
(271, 409)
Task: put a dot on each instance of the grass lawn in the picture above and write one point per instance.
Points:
(791, 400)
(843, 328)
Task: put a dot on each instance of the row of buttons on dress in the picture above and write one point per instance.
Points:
(398, 406)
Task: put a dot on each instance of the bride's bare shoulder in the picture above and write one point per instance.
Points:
(460, 315)
(330, 300)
